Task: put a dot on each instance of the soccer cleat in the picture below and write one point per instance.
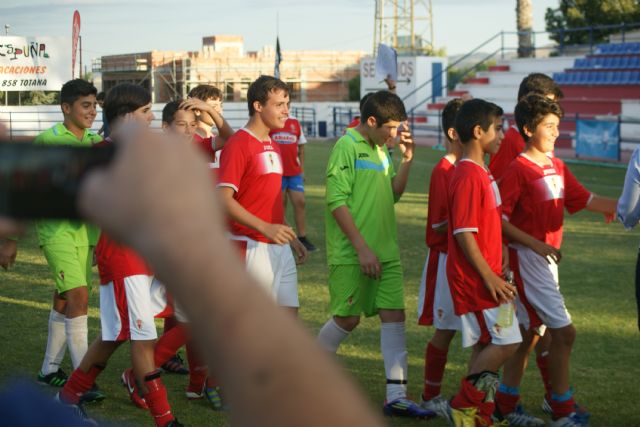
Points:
(573, 420)
(307, 244)
(174, 423)
(54, 379)
(129, 382)
(439, 405)
(214, 396)
(404, 407)
(93, 395)
(77, 411)
(194, 392)
(175, 365)
(520, 418)
(580, 410)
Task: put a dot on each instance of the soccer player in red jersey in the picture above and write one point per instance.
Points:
(481, 297)
(209, 115)
(434, 301)
(513, 143)
(536, 189)
(250, 184)
(291, 140)
(129, 298)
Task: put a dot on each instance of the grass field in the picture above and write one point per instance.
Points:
(597, 272)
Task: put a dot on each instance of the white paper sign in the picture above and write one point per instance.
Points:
(34, 63)
(386, 62)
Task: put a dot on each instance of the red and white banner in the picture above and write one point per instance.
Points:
(74, 41)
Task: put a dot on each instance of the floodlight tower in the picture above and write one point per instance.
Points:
(406, 25)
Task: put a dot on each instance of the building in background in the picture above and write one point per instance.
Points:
(314, 76)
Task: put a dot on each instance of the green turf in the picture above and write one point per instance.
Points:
(597, 273)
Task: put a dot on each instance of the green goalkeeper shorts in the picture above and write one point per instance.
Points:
(352, 293)
(69, 264)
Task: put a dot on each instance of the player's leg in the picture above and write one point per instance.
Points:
(387, 296)
(50, 372)
(346, 286)
(296, 193)
(494, 345)
(143, 337)
(446, 323)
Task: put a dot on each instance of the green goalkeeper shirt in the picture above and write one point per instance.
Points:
(75, 233)
(359, 177)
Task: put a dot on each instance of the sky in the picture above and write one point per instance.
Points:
(118, 26)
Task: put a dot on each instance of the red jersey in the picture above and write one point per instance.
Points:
(208, 147)
(254, 170)
(511, 146)
(437, 212)
(354, 123)
(534, 197)
(474, 206)
(288, 138)
(116, 261)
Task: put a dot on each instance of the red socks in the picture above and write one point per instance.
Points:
(197, 368)
(78, 384)
(543, 366)
(435, 361)
(168, 344)
(156, 398)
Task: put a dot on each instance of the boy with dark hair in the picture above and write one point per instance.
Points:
(434, 301)
(365, 274)
(536, 189)
(481, 298)
(291, 141)
(513, 144)
(68, 245)
(250, 184)
(129, 297)
(209, 114)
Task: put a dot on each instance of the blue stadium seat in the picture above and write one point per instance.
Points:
(625, 77)
(608, 78)
(634, 62)
(614, 62)
(635, 77)
(624, 62)
(617, 79)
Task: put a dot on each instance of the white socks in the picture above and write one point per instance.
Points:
(77, 330)
(394, 352)
(56, 343)
(331, 335)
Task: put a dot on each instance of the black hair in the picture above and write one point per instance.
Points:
(532, 109)
(541, 84)
(100, 96)
(364, 99)
(124, 98)
(384, 106)
(74, 89)
(449, 115)
(260, 89)
(205, 92)
(169, 111)
(475, 112)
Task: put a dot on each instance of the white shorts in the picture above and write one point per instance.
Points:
(128, 307)
(435, 306)
(482, 327)
(273, 267)
(539, 299)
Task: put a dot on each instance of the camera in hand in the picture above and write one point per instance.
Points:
(42, 181)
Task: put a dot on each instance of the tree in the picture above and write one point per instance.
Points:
(354, 88)
(575, 14)
(524, 14)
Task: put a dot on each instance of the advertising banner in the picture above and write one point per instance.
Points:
(595, 138)
(34, 63)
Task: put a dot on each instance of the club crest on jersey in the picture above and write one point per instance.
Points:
(269, 162)
(139, 323)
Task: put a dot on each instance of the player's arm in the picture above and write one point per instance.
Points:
(299, 250)
(603, 205)
(219, 297)
(515, 235)
(279, 233)
(301, 156)
(500, 290)
(369, 263)
(629, 202)
(211, 117)
(406, 147)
